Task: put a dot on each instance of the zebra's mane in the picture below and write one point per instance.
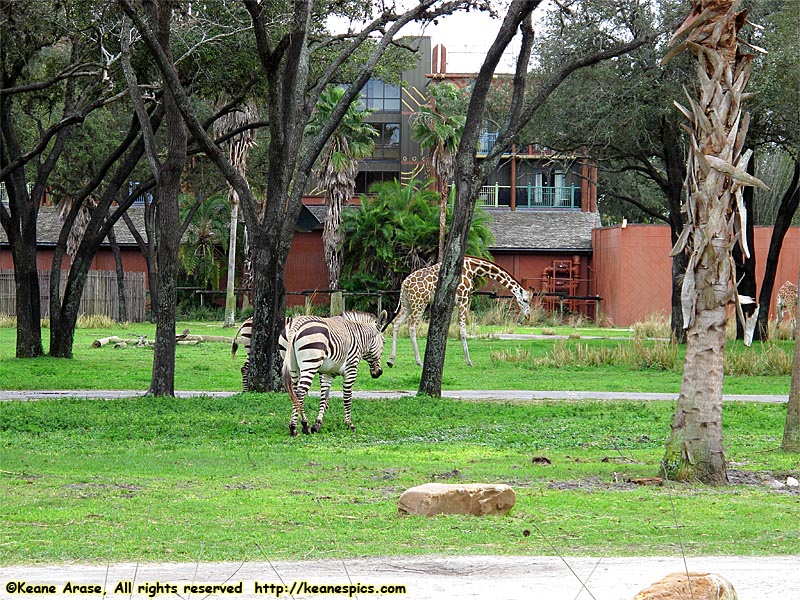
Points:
(358, 316)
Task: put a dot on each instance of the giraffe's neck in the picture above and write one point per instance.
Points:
(476, 267)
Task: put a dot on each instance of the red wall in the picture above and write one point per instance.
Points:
(632, 269)
(306, 268)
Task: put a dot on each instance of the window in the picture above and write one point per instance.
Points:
(381, 97)
(387, 142)
(365, 179)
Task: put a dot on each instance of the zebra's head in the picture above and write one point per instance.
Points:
(374, 350)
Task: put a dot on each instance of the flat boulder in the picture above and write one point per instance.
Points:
(697, 586)
(477, 499)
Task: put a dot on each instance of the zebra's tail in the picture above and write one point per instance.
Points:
(286, 376)
(235, 344)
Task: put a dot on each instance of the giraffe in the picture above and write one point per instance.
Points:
(417, 291)
(787, 302)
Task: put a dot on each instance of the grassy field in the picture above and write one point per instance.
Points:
(584, 362)
(220, 479)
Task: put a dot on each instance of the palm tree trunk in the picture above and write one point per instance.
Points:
(715, 215)
(230, 290)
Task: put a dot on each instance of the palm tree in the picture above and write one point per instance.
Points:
(238, 148)
(200, 254)
(337, 170)
(437, 127)
(715, 222)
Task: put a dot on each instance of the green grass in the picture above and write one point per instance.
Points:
(208, 366)
(178, 479)
(220, 479)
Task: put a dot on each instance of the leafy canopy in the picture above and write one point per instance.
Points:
(396, 231)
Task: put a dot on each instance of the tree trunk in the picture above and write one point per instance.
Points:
(791, 430)
(716, 164)
(29, 309)
(62, 329)
(746, 265)
(168, 222)
(122, 316)
(269, 260)
(694, 449)
(675, 167)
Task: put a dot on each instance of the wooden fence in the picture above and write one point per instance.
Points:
(100, 295)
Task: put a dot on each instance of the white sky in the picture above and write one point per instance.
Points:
(467, 37)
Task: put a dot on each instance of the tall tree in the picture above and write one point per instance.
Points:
(470, 172)
(716, 220)
(49, 83)
(285, 44)
(337, 170)
(437, 127)
(620, 114)
(776, 125)
(238, 149)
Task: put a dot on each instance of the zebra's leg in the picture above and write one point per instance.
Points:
(324, 399)
(347, 395)
(246, 375)
(298, 409)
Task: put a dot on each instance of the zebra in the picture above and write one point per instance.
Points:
(245, 333)
(329, 346)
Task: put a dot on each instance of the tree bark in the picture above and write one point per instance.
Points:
(122, 316)
(168, 222)
(716, 164)
(791, 430)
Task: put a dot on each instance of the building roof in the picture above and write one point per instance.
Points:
(543, 231)
(48, 225)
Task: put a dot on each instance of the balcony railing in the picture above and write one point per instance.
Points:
(531, 196)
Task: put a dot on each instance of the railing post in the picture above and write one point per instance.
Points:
(496, 194)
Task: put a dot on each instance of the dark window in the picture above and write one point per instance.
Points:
(387, 142)
(381, 97)
(365, 179)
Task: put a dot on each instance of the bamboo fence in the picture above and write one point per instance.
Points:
(100, 296)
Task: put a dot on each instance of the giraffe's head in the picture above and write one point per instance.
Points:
(523, 297)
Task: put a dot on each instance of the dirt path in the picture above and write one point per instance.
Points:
(424, 578)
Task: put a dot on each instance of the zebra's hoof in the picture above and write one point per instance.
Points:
(306, 430)
(293, 430)
(316, 427)
(389, 364)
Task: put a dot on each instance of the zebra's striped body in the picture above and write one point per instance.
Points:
(245, 334)
(329, 346)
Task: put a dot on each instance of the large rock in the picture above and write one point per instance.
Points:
(704, 586)
(457, 499)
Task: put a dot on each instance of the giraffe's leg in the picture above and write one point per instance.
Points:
(398, 320)
(324, 399)
(462, 327)
(412, 332)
